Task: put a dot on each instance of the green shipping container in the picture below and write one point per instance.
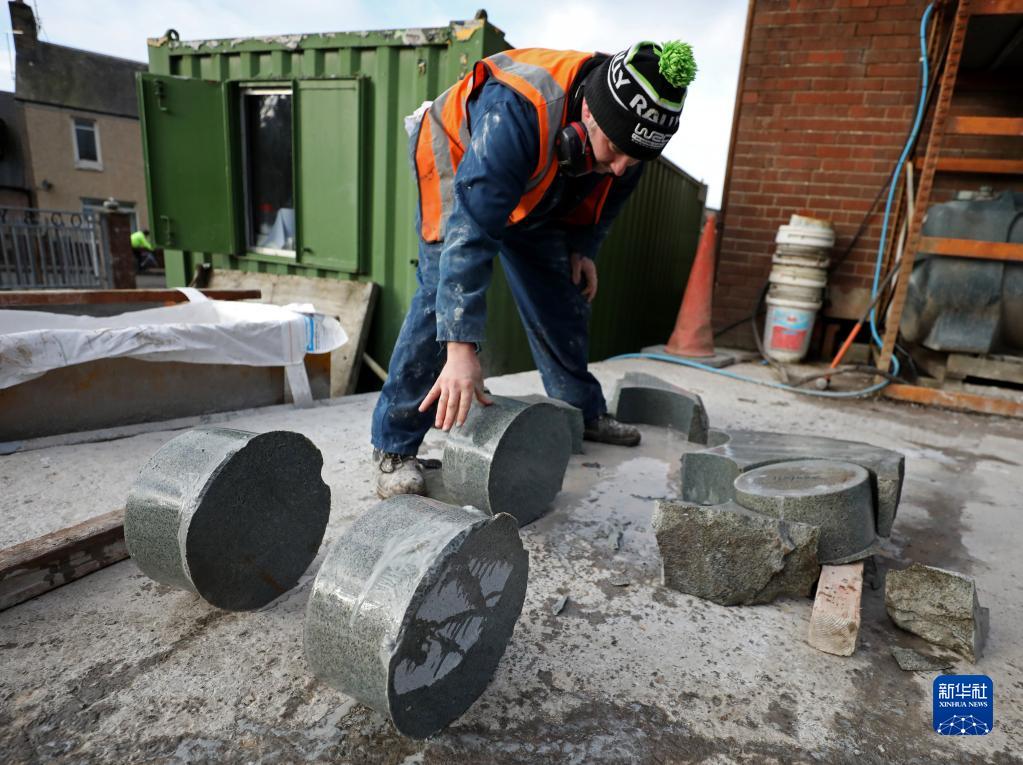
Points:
(289, 155)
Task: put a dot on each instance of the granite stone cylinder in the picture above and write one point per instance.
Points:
(834, 496)
(509, 457)
(412, 609)
(232, 516)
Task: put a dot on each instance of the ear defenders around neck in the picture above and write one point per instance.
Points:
(574, 151)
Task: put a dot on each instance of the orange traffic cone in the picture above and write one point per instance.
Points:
(693, 336)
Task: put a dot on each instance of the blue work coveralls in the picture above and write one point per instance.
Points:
(453, 275)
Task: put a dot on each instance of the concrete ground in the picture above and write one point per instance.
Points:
(116, 668)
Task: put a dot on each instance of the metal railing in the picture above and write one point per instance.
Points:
(52, 249)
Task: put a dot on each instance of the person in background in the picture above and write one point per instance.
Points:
(142, 248)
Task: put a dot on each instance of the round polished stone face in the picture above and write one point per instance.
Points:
(259, 523)
(234, 516)
(801, 478)
(412, 609)
(456, 629)
(833, 495)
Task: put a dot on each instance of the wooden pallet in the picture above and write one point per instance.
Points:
(930, 163)
(1008, 369)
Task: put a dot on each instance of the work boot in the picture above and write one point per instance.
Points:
(607, 430)
(398, 474)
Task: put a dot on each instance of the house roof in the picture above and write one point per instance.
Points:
(70, 77)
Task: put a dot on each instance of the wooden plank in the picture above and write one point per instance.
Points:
(961, 365)
(18, 298)
(979, 165)
(351, 302)
(47, 562)
(958, 400)
(1012, 126)
(995, 7)
(971, 248)
(835, 620)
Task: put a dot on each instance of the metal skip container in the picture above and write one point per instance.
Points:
(412, 609)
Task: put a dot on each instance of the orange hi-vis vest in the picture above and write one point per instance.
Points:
(544, 78)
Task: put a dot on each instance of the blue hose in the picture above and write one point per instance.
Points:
(893, 183)
(766, 383)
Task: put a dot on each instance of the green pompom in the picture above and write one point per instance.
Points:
(677, 63)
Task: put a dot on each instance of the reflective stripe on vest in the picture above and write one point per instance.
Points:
(543, 78)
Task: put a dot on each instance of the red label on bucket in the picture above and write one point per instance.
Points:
(789, 330)
(787, 340)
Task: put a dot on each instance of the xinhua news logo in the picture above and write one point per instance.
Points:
(964, 705)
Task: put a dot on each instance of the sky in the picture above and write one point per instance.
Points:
(714, 29)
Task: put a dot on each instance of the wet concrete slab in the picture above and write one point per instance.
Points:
(118, 668)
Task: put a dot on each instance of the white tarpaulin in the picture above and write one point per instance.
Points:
(203, 332)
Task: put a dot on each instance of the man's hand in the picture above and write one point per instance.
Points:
(459, 381)
(583, 266)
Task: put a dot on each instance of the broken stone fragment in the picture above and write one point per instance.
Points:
(235, 517)
(412, 609)
(938, 605)
(573, 417)
(647, 399)
(509, 457)
(834, 496)
(731, 556)
(708, 476)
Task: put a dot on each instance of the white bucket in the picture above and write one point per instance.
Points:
(788, 327)
(809, 257)
(806, 232)
(798, 276)
(790, 292)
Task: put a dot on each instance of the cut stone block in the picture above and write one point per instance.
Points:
(708, 476)
(412, 609)
(647, 399)
(938, 605)
(835, 496)
(914, 661)
(573, 417)
(835, 621)
(731, 556)
(509, 457)
(235, 517)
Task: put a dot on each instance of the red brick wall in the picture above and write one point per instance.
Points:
(828, 91)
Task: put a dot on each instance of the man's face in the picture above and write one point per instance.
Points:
(607, 158)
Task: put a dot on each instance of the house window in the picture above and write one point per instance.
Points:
(269, 193)
(85, 139)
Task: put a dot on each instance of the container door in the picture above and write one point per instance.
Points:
(328, 173)
(189, 163)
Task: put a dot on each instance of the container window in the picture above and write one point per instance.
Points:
(85, 139)
(270, 206)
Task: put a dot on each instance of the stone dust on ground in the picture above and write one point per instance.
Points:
(115, 668)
